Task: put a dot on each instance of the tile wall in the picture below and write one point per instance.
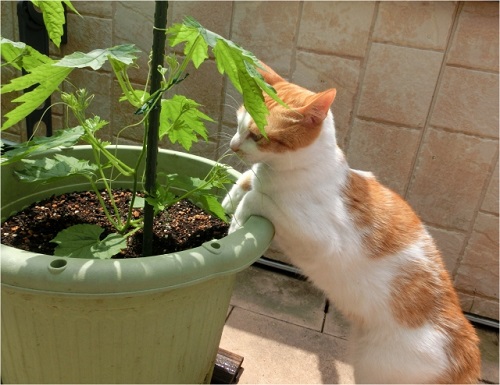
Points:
(417, 99)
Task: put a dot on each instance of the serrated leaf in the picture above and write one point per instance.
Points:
(196, 47)
(231, 61)
(70, 6)
(163, 199)
(21, 55)
(95, 59)
(83, 241)
(60, 166)
(200, 190)
(239, 64)
(53, 18)
(186, 183)
(47, 76)
(40, 144)
(182, 121)
(209, 203)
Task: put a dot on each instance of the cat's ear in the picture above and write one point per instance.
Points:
(269, 75)
(316, 110)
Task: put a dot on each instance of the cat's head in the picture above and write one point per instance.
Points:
(288, 130)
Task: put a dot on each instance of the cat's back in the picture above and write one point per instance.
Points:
(419, 299)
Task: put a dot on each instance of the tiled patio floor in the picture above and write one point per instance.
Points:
(279, 325)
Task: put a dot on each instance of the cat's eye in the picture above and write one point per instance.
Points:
(255, 137)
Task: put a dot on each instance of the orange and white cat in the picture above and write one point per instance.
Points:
(356, 240)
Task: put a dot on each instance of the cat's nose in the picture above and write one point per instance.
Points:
(235, 145)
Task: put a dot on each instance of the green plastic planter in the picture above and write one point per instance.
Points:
(146, 320)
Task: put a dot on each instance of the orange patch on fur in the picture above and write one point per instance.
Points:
(289, 129)
(387, 222)
(463, 347)
(414, 296)
(425, 294)
(245, 182)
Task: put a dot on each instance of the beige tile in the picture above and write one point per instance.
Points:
(451, 172)
(97, 84)
(489, 354)
(204, 86)
(450, 245)
(478, 271)
(122, 116)
(399, 84)
(387, 151)
(276, 352)
(468, 101)
(97, 33)
(490, 201)
(341, 27)
(335, 323)
(475, 43)
(267, 29)
(279, 296)
(133, 24)
(319, 72)
(414, 24)
(232, 100)
(482, 306)
(213, 15)
(8, 14)
(102, 9)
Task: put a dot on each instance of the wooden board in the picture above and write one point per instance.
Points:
(227, 367)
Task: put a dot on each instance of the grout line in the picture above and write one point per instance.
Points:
(229, 313)
(318, 52)
(460, 132)
(325, 312)
(293, 58)
(281, 320)
(477, 209)
(362, 73)
(414, 166)
(223, 94)
(475, 69)
(388, 123)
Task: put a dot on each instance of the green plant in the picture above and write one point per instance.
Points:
(178, 118)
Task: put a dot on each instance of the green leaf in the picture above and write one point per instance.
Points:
(238, 63)
(21, 55)
(46, 78)
(200, 191)
(124, 53)
(48, 169)
(40, 144)
(53, 18)
(83, 241)
(196, 46)
(209, 203)
(70, 6)
(182, 121)
(138, 202)
(163, 198)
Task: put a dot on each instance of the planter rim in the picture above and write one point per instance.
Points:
(77, 276)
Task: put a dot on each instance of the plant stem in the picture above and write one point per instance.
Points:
(152, 128)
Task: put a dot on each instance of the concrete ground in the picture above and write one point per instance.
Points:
(286, 333)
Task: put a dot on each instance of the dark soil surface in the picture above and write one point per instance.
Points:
(182, 226)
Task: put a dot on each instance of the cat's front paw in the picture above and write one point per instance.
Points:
(237, 192)
(233, 199)
(235, 225)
